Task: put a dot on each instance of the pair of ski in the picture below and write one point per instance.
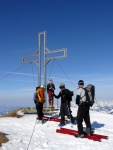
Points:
(47, 118)
(95, 137)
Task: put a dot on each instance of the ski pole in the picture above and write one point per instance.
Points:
(31, 136)
(57, 103)
(68, 111)
(68, 108)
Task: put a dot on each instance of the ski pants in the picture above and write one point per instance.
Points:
(83, 114)
(50, 98)
(64, 111)
(39, 108)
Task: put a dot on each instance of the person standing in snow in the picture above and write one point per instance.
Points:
(39, 99)
(83, 110)
(50, 91)
(65, 103)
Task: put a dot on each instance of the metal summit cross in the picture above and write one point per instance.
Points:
(46, 59)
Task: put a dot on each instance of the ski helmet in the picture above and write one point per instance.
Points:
(81, 82)
(62, 85)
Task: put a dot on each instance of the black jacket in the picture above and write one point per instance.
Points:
(65, 96)
(50, 87)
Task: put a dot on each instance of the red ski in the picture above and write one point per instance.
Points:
(94, 137)
(75, 133)
(52, 119)
(93, 134)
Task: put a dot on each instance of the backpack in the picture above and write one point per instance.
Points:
(40, 95)
(90, 94)
(70, 94)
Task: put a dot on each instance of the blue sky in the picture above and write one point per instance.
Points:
(85, 28)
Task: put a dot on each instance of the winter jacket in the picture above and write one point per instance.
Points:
(50, 87)
(65, 96)
(81, 98)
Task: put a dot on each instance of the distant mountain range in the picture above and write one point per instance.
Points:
(100, 106)
(6, 109)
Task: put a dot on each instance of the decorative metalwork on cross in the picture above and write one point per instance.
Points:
(60, 53)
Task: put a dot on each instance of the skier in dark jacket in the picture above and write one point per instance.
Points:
(83, 110)
(65, 103)
(50, 91)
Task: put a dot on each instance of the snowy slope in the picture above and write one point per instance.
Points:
(45, 137)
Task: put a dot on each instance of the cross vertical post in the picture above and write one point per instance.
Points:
(46, 59)
(39, 64)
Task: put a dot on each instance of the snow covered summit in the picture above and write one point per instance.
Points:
(25, 134)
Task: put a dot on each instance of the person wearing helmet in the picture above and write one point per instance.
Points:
(50, 91)
(83, 110)
(65, 99)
